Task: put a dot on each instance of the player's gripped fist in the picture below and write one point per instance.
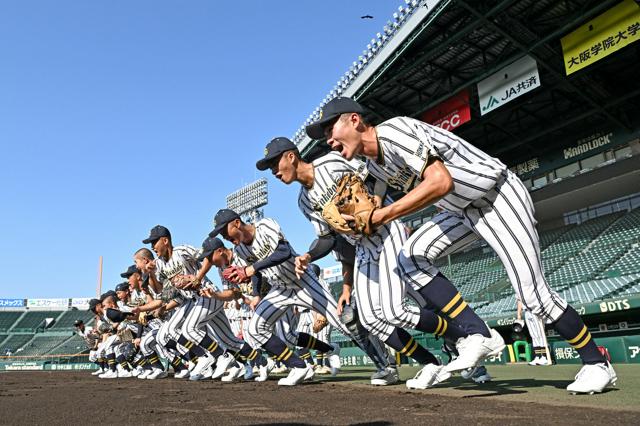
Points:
(236, 274)
(302, 262)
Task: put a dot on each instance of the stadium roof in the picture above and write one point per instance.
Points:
(443, 47)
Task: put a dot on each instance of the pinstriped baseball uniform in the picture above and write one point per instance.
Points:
(380, 292)
(286, 289)
(487, 201)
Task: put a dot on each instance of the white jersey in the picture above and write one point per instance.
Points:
(267, 236)
(405, 145)
(183, 261)
(90, 337)
(327, 171)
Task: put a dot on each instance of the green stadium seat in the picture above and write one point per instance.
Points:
(33, 319)
(7, 319)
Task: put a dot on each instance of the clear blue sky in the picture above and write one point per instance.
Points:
(116, 116)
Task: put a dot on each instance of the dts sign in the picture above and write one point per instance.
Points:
(451, 113)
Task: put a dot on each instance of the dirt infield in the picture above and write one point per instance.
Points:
(78, 398)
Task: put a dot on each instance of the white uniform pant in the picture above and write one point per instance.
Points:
(306, 292)
(286, 328)
(378, 284)
(209, 312)
(170, 329)
(504, 218)
(536, 329)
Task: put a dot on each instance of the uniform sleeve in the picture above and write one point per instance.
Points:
(410, 142)
(269, 230)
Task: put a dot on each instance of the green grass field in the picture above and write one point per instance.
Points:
(524, 383)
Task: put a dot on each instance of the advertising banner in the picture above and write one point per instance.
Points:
(451, 113)
(11, 303)
(48, 303)
(80, 302)
(600, 37)
(510, 82)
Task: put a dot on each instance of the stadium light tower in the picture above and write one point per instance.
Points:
(249, 200)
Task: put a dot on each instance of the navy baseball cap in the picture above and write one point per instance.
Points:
(109, 293)
(274, 150)
(332, 109)
(122, 287)
(156, 233)
(222, 218)
(92, 305)
(210, 245)
(130, 271)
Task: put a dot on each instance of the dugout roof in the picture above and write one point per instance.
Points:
(458, 43)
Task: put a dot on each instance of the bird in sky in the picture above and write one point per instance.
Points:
(366, 17)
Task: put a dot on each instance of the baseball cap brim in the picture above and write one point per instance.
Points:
(150, 240)
(316, 130)
(205, 254)
(268, 161)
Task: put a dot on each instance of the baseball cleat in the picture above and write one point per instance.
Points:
(203, 363)
(248, 372)
(222, 364)
(98, 372)
(264, 370)
(593, 378)
(144, 374)
(137, 371)
(429, 376)
(475, 348)
(388, 376)
(310, 374)
(296, 375)
(334, 359)
(323, 369)
(233, 373)
(478, 374)
(109, 375)
(123, 374)
(182, 374)
(535, 361)
(157, 373)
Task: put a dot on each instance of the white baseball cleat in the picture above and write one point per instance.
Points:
(123, 374)
(429, 376)
(265, 370)
(310, 374)
(203, 363)
(144, 374)
(137, 371)
(98, 372)
(222, 364)
(388, 376)
(157, 373)
(296, 376)
(233, 373)
(535, 361)
(334, 359)
(323, 369)
(475, 348)
(593, 378)
(109, 375)
(182, 374)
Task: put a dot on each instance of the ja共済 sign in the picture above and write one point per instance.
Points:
(510, 82)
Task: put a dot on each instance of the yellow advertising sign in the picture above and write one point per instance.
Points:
(600, 37)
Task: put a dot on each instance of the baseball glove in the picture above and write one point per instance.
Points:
(353, 199)
(235, 274)
(319, 323)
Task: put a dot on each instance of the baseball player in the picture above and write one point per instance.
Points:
(90, 336)
(536, 331)
(215, 315)
(266, 251)
(480, 198)
(187, 326)
(379, 288)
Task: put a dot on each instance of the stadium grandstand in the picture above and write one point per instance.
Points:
(42, 330)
